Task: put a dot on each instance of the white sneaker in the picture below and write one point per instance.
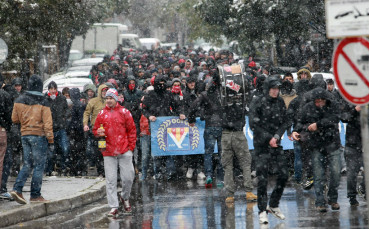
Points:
(201, 176)
(189, 173)
(276, 212)
(263, 217)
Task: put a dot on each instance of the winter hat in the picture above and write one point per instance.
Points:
(52, 84)
(112, 93)
(329, 81)
(35, 83)
(176, 80)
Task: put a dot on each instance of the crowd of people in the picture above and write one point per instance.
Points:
(132, 88)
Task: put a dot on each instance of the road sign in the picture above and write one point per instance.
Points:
(347, 18)
(351, 69)
(3, 51)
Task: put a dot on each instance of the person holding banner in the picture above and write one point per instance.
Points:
(268, 122)
(157, 103)
(209, 101)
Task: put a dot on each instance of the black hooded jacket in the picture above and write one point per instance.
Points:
(268, 117)
(132, 100)
(209, 101)
(353, 128)
(160, 102)
(327, 118)
(59, 111)
(5, 107)
(75, 126)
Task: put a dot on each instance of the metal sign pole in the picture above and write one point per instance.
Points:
(364, 120)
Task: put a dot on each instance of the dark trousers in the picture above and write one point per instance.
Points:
(78, 162)
(354, 160)
(97, 156)
(307, 165)
(263, 157)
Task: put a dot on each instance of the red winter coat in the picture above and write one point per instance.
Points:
(120, 130)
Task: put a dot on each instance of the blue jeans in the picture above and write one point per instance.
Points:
(297, 162)
(145, 141)
(61, 143)
(321, 160)
(159, 162)
(212, 135)
(34, 157)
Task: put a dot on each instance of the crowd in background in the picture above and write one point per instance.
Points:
(167, 82)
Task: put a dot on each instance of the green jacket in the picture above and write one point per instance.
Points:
(94, 106)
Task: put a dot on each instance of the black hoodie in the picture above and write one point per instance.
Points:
(5, 107)
(327, 118)
(267, 115)
(132, 100)
(160, 102)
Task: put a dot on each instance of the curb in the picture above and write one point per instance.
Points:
(33, 211)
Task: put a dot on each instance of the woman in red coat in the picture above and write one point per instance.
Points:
(117, 125)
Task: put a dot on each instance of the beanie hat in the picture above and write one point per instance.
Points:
(35, 83)
(112, 93)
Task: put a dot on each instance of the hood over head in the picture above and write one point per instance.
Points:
(301, 71)
(302, 86)
(271, 82)
(157, 86)
(317, 81)
(102, 86)
(320, 93)
(74, 94)
(286, 87)
(89, 87)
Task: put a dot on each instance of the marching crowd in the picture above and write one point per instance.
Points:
(57, 132)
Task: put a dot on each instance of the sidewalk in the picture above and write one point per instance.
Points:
(63, 194)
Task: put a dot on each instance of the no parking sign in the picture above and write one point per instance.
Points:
(351, 69)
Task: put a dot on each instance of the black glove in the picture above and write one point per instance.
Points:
(51, 147)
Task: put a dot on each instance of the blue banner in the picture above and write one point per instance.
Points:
(172, 136)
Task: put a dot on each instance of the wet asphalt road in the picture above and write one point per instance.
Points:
(188, 204)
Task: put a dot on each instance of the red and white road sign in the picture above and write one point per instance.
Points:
(351, 69)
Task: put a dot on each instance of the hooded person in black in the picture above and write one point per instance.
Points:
(268, 121)
(157, 103)
(318, 124)
(209, 102)
(292, 117)
(316, 81)
(5, 124)
(78, 142)
(353, 151)
(14, 150)
(132, 100)
(193, 162)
